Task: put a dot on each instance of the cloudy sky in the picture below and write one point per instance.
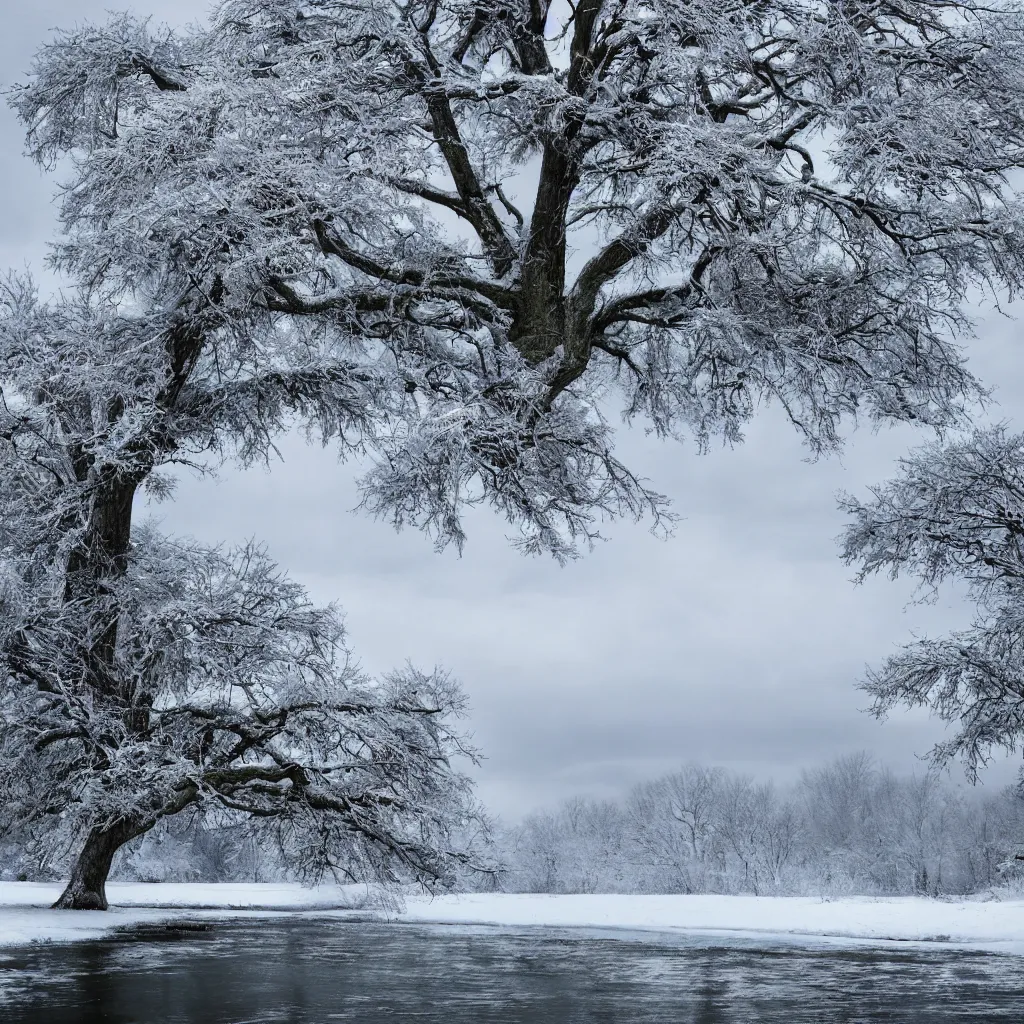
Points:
(737, 642)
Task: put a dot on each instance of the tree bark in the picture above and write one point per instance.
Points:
(539, 325)
(86, 890)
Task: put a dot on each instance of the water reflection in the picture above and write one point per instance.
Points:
(289, 971)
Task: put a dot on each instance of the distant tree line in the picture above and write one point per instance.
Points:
(849, 827)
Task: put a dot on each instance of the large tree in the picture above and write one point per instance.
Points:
(451, 235)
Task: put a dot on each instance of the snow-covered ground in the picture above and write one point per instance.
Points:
(995, 924)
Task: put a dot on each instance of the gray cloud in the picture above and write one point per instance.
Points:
(737, 642)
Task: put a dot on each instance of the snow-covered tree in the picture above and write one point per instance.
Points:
(955, 512)
(446, 234)
(758, 833)
(205, 680)
(145, 676)
(674, 826)
(578, 848)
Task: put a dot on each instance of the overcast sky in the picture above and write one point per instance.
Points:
(737, 642)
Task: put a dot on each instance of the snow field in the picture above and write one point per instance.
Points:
(25, 917)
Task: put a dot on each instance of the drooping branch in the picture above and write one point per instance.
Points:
(448, 200)
(471, 288)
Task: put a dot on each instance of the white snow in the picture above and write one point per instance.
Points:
(195, 895)
(25, 915)
(992, 924)
(903, 919)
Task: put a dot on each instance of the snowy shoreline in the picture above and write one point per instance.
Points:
(992, 925)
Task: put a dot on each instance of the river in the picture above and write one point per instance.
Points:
(319, 971)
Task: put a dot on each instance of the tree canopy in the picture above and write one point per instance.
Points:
(473, 224)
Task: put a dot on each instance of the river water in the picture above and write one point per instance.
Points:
(302, 971)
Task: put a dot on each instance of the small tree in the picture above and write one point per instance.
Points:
(674, 825)
(955, 512)
(363, 217)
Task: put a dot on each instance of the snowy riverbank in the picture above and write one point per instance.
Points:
(24, 916)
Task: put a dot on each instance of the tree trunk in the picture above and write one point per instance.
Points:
(87, 888)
